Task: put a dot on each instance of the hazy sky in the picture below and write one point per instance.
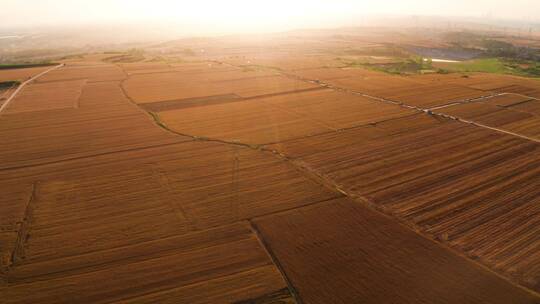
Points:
(245, 15)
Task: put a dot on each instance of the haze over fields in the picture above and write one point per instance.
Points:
(241, 16)
(270, 152)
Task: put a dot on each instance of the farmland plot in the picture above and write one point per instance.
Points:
(223, 265)
(20, 74)
(478, 81)
(507, 100)
(250, 122)
(57, 141)
(102, 94)
(427, 96)
(13, 204)
(474, 189)
(105, 121)
(337, 110)
(533, 91)
(178, 86)
(357, 79)
(341, 252)
(517, 116)
(104, 205)
(163, 219)
(531, 106)
(93, 73)
(279, 118)
(494, 83)
(210, 68)
(47, 96)
(407, 90)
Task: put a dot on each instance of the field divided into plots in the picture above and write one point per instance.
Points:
(415, 167)
(48, 96)
(109, 204)
(341, 252)
(487, 82)
(468, 187)
(90, 73)
(505, 102)
(412, 91)
(514, 113)
(250, 106)
(207, 80)
(280, 118)
(98, 193)
(10, 79)
(36, 137)
(163, 219)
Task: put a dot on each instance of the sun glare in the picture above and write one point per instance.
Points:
(243, 15)
(247, 16)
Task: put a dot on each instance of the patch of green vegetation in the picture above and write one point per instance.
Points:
(530, 69)
(8, 84)
(420, 65)
(409, 66)
(25, 65)
(486, 65)
(497, 66)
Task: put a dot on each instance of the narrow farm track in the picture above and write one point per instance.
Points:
(20, 87)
